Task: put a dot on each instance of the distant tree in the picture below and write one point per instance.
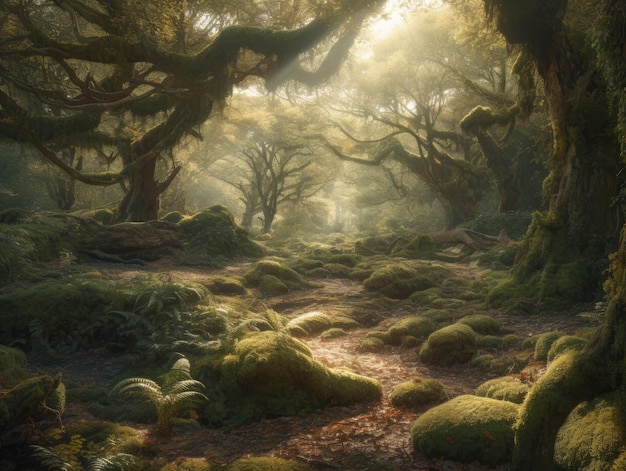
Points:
(135, 79)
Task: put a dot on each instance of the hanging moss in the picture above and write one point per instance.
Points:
(467, 429)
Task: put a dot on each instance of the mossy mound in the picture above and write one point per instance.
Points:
(344, 259)
(213, 234)
(333, 333)
(482, 324)
(12, 366)
(564, 344)
(372, 246)
(507, 388)
(371, 344)
(273, 374)
(593, 437)
(500, 257)
(449, 345)
(309, 323)
(414, 326)
(543, 343)
(226, 285)
(397, 281)
(264, 463)
(426, 297)
(420, 247)
(467, 428)
(418, 393)
(281, 277)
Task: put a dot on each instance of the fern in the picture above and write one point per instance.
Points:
(50, 459)
(176, 394)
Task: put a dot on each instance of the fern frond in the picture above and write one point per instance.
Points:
(182, 364)
(50, 459)
(118, 462)
(186, 385)
(176, 400)
(139, 386)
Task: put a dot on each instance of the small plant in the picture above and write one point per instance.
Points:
(177, 393)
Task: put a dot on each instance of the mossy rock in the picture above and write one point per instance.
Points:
(344, 322)
(564, 344)
(593, 437)
(371, 344)
(415, 326)
(543, 344)
(226, 285)
(483, 362)
(442, 316)
(490, 342)
(418, 393)
(460, 288)
(507, 388)
(449, 345)
(426, 297)
(397, 281)
(420, 247)
(273, 374)
(337, 270)
(287, 276)
(347, 260)
(265, 463)
(213, 233)
(510, 341)
(333, 333)
(383, 336)
(309, 323)
(24, 400)
(305, 265)
(13, 367)
(500, 257)
(467, 429)
(270, 285)
(372, 246)
(482, 324)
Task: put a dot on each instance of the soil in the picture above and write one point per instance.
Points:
(372, 436)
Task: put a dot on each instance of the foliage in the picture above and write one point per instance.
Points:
(177, 394)
(416, 393)
(467, 428)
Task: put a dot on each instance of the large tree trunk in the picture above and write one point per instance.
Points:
(141, 201)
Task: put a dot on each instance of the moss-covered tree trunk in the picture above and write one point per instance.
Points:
(141, 201)
(562, 251)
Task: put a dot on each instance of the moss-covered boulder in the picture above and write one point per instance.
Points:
(226, 285)
(266, 463)
(593, 437)
(466, 429)
(290, 279)
(273, 374)
(397, 281)
(420, 247)
(482, 324)
(213, 233)
(417, 393)
(414, 326)
(449, 345)
(507, 388)
(12, 366)
(543, 343)
(309, 323)
(565, 343)
(372, 246)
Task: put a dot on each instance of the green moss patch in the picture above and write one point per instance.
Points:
(564, 344)
(266, 464)
(420, 247)
(397, 281)
(449, 345)
(12, 366)
(226, 285)
(309, 323)
(414, 326)
(482, 324)
(507, 388)
(273, 374)
(467, 428)
(592, 437)
(543, 343)
(282, 278)
(418, 393)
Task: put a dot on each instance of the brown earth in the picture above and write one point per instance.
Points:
(372, 436)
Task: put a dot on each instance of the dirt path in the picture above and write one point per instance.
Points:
(366, 436)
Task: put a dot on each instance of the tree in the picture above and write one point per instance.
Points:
(413, 99)
(581, 88)
(136, 79)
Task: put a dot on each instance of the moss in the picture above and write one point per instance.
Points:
(490, 342)
(415, 326)
(212, 234)
(443, 316)
(592, 437)
(225, 285)
(500, 257)
(346, 323)
(25, 399)
(510, 341)
(371, 344)
(482, 324)
(288, 277)
(12, 366)
(543, 344)
(190, 464)
(266, 464)
(309, 323)
(397, 281)
(483, 362)
(460, 288)
(452, 344)
(270, 285)
(333, 333)
(420, 247)
(372, 246)
(418, 393)
(467, 428)
(565, 343)
(426, 297)
(347, 260)
(273, 374)
(507, 388)
(337, 270)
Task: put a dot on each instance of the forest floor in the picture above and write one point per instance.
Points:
(371, 436)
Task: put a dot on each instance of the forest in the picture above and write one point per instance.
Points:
(258, 235)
